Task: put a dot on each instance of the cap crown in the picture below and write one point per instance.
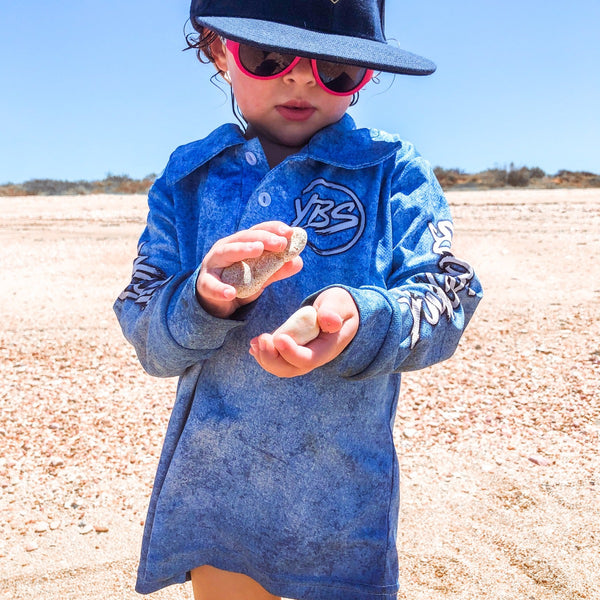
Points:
(352, 18)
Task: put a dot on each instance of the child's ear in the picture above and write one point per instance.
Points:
(219, 54)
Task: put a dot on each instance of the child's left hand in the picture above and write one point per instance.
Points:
(338, 319)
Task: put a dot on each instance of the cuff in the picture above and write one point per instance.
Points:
(190, 325)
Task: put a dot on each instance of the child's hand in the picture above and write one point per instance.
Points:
(218, 298)
(338, 319)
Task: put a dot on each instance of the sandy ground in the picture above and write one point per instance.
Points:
(499, 446)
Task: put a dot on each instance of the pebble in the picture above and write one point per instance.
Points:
(540, 461)
(41, 527)
(100, 528)
(409, 433)
(302, 326)
(56, 461)
(86, 529)
(248, 276)
(31, 546)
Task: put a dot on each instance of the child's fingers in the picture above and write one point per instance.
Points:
(302, 358)
(323, 349)
(329, 320)
(267, 348)
(263, 349)
(272, 236)
(288, 269)
(243, 245)
(211, 288)
(277, 227)
(335, 306)
(229, 252)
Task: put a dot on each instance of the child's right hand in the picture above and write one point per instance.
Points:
(218, 298)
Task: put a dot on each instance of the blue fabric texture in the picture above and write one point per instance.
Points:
(293, 482)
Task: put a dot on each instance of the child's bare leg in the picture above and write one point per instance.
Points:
(210, 583)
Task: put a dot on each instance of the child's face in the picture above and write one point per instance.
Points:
(287, 110)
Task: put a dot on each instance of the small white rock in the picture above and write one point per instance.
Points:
(540, 461)
(85, 529)
(302, 326)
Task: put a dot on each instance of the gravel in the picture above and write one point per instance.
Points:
(499, 446)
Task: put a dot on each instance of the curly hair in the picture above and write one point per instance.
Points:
(200, 41)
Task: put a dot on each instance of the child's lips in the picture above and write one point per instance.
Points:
(296, 110)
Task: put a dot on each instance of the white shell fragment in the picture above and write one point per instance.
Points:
(248, 276)
(302, 326)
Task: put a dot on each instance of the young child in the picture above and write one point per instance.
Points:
(278, 475)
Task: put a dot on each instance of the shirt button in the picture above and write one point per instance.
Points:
(251, 158)
(264, 199)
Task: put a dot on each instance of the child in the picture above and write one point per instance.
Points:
(278, 475)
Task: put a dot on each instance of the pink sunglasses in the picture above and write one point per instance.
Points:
(335, 78)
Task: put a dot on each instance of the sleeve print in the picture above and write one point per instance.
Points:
(441, 289)
(145, 280)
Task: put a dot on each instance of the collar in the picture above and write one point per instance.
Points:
(343, 145)
(340, 144)
(189, 157)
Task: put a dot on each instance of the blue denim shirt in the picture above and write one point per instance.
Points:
(293, 482)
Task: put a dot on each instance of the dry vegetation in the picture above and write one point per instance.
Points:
(498, 446)
(457, 179)
(111, 184)
(516, 177)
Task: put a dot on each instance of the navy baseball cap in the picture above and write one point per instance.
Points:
(348, 31)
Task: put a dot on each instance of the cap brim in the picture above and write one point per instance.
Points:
(379, 56)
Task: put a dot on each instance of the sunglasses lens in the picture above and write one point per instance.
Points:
(339, 78)
(263, 63)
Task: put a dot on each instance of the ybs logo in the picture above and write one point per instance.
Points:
(335, 213)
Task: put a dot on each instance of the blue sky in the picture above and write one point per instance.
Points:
(90, 88)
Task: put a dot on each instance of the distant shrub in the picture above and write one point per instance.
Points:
(518, 177)
(537, 173)
(493, 178)
(54, 187)
(576, 179)
(449, 177)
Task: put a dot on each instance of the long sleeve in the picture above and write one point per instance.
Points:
(158, 311)
(417, 319)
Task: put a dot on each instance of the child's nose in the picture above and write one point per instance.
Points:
(302, 72)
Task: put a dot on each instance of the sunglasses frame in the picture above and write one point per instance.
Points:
(234, 48)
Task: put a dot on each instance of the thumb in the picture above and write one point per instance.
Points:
(334, 306)
(329, 320)
(328, 312)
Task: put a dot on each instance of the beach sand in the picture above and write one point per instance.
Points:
(498, 446)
